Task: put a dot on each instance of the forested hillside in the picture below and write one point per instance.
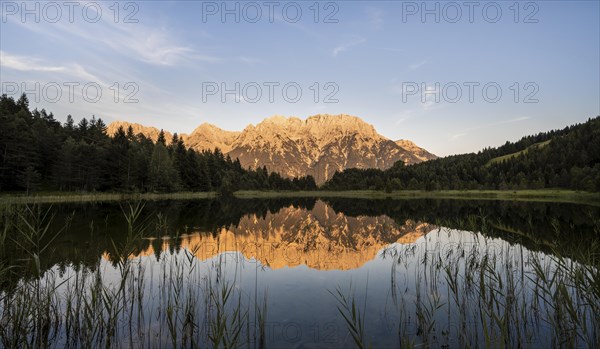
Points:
(39, 153)
(567, 158)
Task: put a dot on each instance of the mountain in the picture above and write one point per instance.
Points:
(207, 136)
(417, 151)
(318, 146)
(148, 131)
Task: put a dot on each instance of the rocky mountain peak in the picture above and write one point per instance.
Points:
(209, 136)
(280, 120)
(419, 152)
(206, 127)
(148, 131)
(318, 145)
(341, 123)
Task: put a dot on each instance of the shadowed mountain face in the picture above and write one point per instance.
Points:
(319, 238)
(317, 146)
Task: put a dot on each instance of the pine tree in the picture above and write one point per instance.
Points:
(130, 134)
(69, 126)
(162, 176)
(65, 174)
(23, 102)
(30, 179)
(161, 138)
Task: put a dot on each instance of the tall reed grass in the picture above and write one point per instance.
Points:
(486, 293)
(177, 303)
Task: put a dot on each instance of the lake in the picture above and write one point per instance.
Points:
(300, 273)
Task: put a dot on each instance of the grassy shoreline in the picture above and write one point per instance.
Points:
(548, 195)
(544, 195)
(66, 197)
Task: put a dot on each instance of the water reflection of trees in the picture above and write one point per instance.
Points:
(568, 228)
(93, 230)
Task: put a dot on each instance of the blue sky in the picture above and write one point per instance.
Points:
(368, 60)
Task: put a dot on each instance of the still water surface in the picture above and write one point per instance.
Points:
(286, 273)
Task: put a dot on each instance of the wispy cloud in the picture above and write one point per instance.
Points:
(404, 116)
(249, 60)
(156, 45)
(458, 135)
(35, 64)
(24, 63)
(416, 66)
(80, 72)
(347, 45)
(522, 118)
(150, 45)
(375, 17)
(466, 131)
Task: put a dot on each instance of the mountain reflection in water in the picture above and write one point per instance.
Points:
(319, 238)
(283, 273)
